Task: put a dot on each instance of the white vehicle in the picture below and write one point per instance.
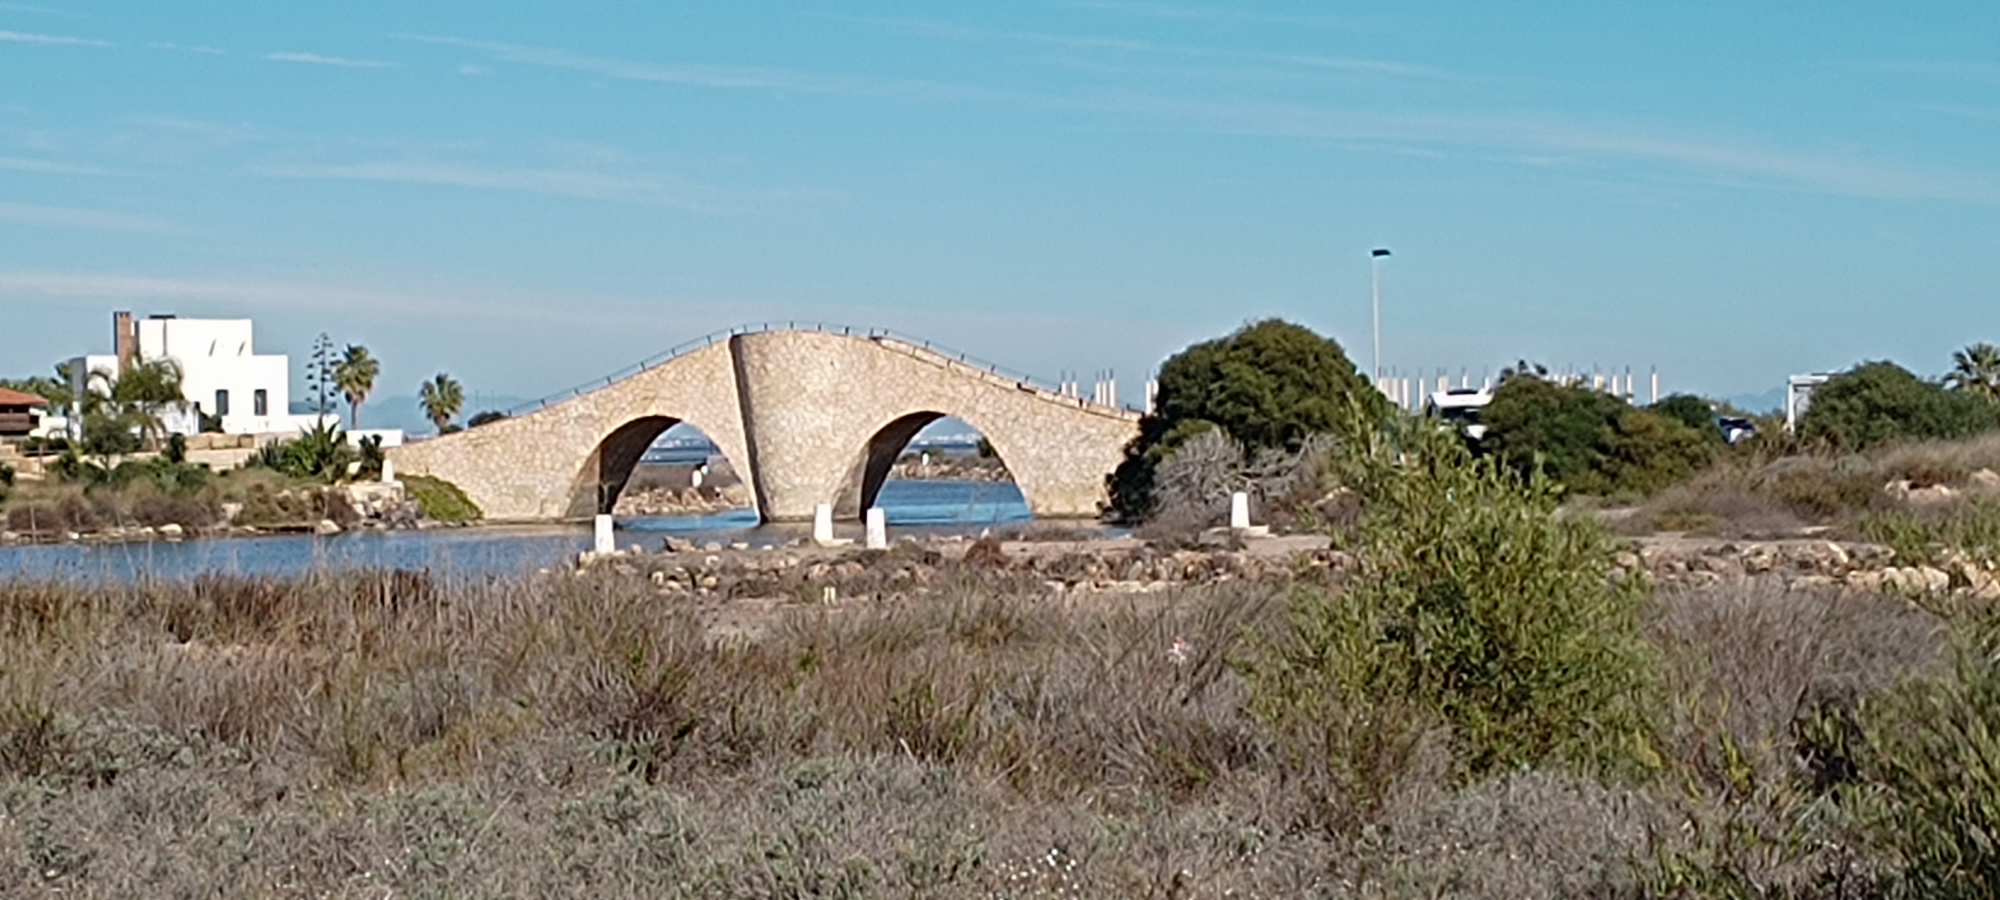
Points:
(1460, 408)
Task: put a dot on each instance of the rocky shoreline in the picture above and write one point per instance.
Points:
(801, 572)
(367, 506)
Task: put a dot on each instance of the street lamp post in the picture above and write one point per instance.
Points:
(1375, 258)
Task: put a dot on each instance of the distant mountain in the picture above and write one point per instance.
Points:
(1771, 401)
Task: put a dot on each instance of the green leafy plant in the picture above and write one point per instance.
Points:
(440, 500)
(1589, 441)
(320, 453)
(1930, 760)
(1475, 605)
(1879, 403)
(1270, 385)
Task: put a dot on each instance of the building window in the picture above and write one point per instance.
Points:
(262, 402)
(221, 403)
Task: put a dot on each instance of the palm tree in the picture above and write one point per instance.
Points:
(355, 376)
(140, 395)
(442, 398)
(1976, 370)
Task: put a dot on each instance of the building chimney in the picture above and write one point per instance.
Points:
(125, 339)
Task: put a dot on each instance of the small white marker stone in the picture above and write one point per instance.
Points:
(1239, 511)
(878, 529)
(823, 524)
(604, 542)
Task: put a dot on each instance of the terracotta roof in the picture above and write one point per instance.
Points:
(16, 398)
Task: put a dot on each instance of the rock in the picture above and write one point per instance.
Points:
(1865, 580)
(72, 536)
(326, 527)
(1759, 559)
(1933, 580)
(9, 537)
(1985, 480)
(1928, 495)
(712, 547)
(1625, 559)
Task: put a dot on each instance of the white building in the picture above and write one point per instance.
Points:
(222, 374)
(1798, 395)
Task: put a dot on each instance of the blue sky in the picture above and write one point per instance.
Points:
(531, 195)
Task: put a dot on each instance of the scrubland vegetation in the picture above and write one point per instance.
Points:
(1477, 709)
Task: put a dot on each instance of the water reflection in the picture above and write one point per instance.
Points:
(920, 507)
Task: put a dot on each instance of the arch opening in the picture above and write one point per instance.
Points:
(930, 468)
(657, 466)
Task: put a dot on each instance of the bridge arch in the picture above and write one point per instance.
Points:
(608, 468)
(876, 460)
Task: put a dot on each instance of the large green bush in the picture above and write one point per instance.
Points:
(1691, 411)
(1931, 768)
(1476, 606)
(1589, 441)
(1880, 402)
(1269, 386)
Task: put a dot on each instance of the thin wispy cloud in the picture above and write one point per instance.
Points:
(316, 59)
(49, 40)
(50, 167)
(471, 71)
(33, 9)
(90, 219)
(288, 295)
(572, 183)
(1546, 138)
(704, 75)
(1358, 66)
(1184, 13)
(199, 49)
(1954, 69)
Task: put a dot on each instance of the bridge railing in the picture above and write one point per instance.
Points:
(947, 354)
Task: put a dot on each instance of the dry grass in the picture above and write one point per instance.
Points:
(1753, 498)
(372, 734)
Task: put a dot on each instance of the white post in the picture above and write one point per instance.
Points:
(1239, 511)
(603, 541)
(823, 524)
(1656, 385)
(388, 471)
(878, 529)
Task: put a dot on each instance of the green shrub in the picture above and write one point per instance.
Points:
(1478, 606)
(321, 453)
(1970, 530)
(1589, 441)
(1269, 386)
(440, 500)
(1691, 411)
(1931, 766)
(1878, 403)
(6, 475)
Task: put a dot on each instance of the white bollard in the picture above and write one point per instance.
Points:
(388, 471)
(823, 524)
(605, 542)
(1239, 511)
(878, 529)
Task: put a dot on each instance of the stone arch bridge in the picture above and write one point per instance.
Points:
(806, 415)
